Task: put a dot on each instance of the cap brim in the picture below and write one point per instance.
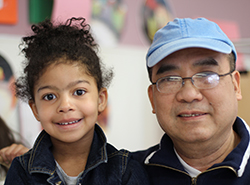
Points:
(163, 51)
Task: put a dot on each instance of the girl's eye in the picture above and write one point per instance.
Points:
(49, 97)
(79, 92)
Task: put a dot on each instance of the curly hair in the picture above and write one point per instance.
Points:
(49, 43)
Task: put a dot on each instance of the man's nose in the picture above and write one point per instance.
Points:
(188, 92)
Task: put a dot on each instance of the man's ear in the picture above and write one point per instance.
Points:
(151, 97)
(103, 100)
(34, 109)
(236, 82)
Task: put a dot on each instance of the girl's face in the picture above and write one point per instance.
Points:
(67, 103)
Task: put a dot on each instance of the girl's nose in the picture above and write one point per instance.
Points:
(65, 105)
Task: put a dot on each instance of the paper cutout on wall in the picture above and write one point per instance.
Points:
(8, 105)
(112, 13)
(7, 93)
(65, 9)
(39, 10)
(8, 11)
(155, 14)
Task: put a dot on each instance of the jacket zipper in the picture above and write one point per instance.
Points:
(194, 179)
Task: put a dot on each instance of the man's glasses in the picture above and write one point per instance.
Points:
(204, 80)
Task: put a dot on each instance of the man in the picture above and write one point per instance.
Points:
(194, 93)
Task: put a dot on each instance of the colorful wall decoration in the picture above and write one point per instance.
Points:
(155, 15)
(8, 12)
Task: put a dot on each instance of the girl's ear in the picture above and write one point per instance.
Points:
(103, 99)
(34, 109)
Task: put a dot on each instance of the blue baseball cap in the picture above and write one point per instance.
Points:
(188, 33)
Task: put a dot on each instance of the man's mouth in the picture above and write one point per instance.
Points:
(189, 115)
(70, 123)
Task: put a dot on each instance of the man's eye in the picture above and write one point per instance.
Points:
(173, 79)
(79, 92)
(49, 97)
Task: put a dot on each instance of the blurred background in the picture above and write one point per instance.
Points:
(124, 30)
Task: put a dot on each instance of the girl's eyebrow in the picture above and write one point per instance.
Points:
(77, 82)
(72, 84)
(47, 87)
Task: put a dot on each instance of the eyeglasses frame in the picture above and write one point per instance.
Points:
(191, 78)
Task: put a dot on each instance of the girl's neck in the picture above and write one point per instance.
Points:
(72, 157)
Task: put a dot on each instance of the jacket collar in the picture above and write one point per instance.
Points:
(237, 159)
(41, 159)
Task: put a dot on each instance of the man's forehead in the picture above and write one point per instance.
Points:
(196, 55)
(191, 52)
(171, 63)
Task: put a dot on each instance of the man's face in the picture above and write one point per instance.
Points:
(193, 115)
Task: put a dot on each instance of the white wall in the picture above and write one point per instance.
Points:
(132, 124)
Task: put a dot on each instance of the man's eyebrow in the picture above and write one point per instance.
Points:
(203, 62)
(206, 62)
(68, 86)
(165, 68)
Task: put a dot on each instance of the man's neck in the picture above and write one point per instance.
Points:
(204, 155)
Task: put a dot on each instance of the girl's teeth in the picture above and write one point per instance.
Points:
(68, 123)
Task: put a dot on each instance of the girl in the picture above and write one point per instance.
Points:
(64, 84)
